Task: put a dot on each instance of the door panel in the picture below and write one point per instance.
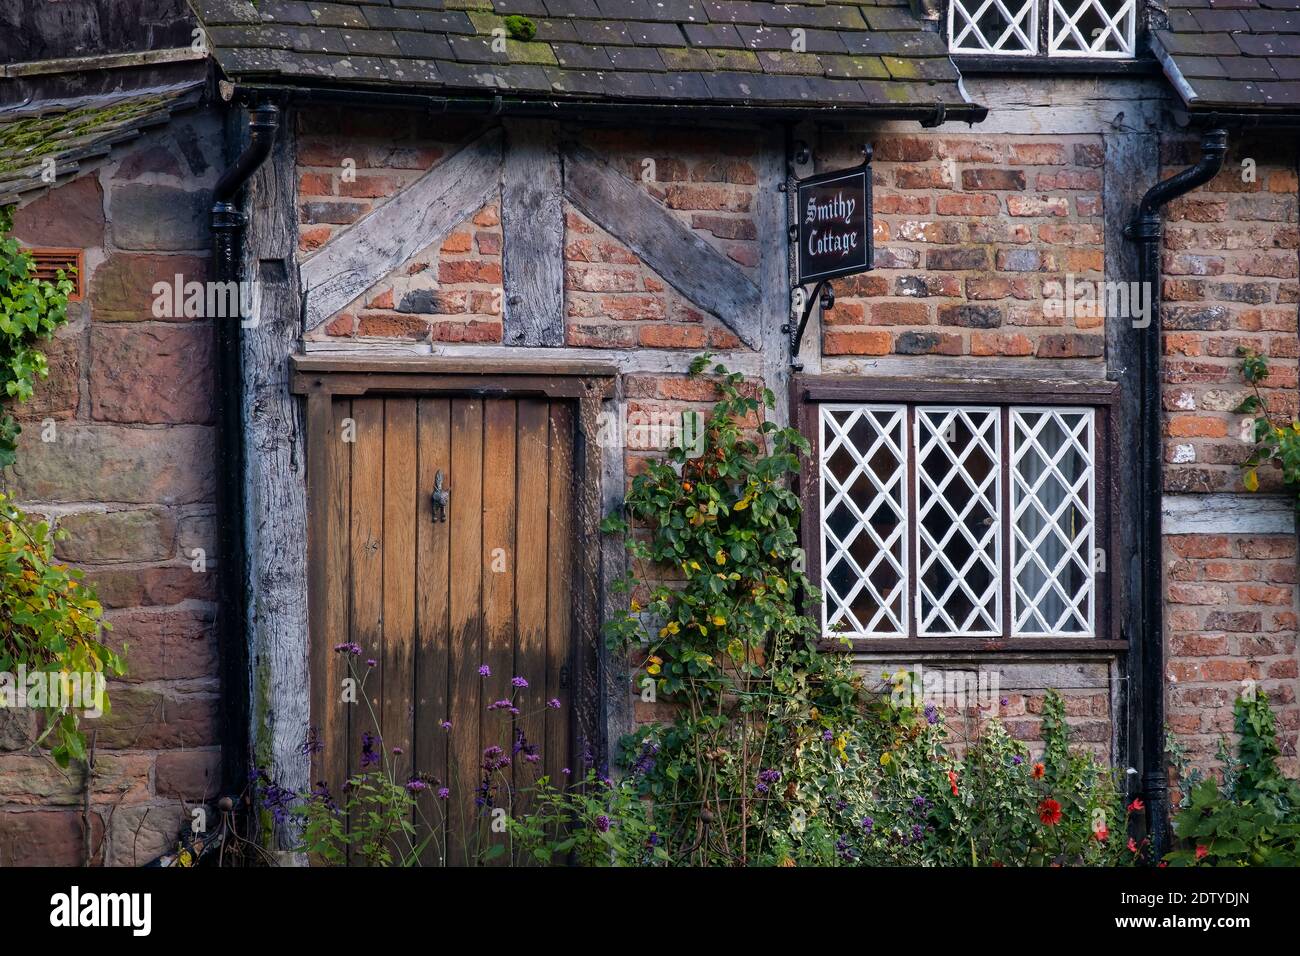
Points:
(430, 601)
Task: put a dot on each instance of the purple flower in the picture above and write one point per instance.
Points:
(371, 662)
(827, 735)
(416, 785)
(494, 758)
(369, 755)
(443, 793)
(566, 771)
(484, 671)
(931, 714)
(1016, 761)
(397, 751)
(867, 824)
(1004, 702)
(445, 725)
(602, 823)
(348, 648)
(769, 776)
(554, 702)
(519, 682)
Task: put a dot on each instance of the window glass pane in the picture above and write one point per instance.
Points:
(1052, 519)
(1091, 27)
(864, 520)
(993, 26)
(959, 528)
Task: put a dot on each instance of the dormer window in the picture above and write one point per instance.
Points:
(1051, 28)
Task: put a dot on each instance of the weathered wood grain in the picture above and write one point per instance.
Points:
(1228, 514)
(686, 262)
(532, 227)
(420, 215)
(275, 486)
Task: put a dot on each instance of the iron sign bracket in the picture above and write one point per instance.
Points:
(822, 292)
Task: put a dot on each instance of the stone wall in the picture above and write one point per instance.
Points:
(118, 450)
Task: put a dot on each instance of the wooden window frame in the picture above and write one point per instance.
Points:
(809, 392)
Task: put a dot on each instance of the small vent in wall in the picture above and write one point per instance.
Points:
(50, 260)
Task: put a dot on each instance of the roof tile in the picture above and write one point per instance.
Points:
(802, 53)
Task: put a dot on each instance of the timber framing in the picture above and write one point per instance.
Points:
(533, 173)
(419, 216)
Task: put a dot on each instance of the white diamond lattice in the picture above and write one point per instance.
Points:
(876, 506)
(992, 26)
(961, 496)
(1052, 519)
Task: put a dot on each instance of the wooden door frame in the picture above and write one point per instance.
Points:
(323, 378)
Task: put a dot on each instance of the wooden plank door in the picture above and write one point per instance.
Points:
(453, 610)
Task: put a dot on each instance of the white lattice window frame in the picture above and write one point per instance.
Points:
(893, 493)
(1021, 19)
(986, 547)
(1082, 494)
(1062, 25)
(1062, 475)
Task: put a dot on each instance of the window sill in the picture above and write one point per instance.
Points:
(974, 64)
(982, 645)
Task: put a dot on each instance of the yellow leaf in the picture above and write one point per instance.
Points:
(1251, 481)
(719, 621)
(720, 557)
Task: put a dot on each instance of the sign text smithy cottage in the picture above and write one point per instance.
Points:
(834, 224)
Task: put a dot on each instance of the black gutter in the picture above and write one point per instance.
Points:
(1146, 229)
(227, 227)
(928, 115)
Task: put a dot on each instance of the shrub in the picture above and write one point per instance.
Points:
(1252, 818)
(50, 622)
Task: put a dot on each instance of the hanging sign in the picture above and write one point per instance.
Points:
(834, 232)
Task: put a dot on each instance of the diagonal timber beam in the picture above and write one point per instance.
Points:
(689, 264)
(420, 215)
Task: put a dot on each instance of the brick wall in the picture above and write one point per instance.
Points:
(130, 475)
(974, 234)
(1230, 265)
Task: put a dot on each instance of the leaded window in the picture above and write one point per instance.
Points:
(1055, 28)
(958, 518)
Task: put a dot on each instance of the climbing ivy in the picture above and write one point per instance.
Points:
(51, 623)
(1276, 442)
(31, 311)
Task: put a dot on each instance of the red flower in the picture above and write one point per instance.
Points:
(1132, 845)
(952, 780)
(1202, 852)
(1137, 806)
(1049, 811)
(1101, 833)
(1038, 771)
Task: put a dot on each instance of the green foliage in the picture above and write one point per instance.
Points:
(597, 823)
(1252, 818)
(778, 754)
(520, 28)
(1276, 443)
(49, 622)
(31, 310)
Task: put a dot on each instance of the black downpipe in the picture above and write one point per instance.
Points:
(1146, 230)
(227, 231)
